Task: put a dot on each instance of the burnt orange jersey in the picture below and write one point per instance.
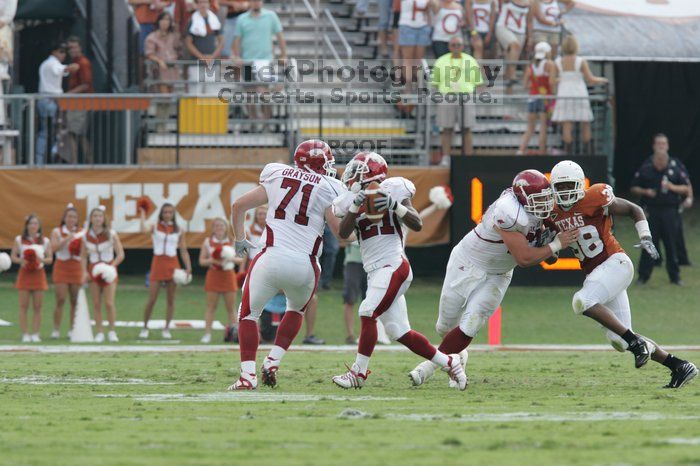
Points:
(590, 215)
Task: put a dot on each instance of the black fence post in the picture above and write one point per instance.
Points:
(461, 124)
(177, 131)
(110, 43)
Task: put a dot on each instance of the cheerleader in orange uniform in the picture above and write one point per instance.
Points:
(67, 275)
(221, 277)
(167, 239)
(32, 252)
(101, 244)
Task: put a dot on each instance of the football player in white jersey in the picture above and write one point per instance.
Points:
(481, 265)
(388, 272)
(299, 199)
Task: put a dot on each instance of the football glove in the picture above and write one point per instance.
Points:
(385, 202)
(357, 201)
(242, 247)
(648, 246)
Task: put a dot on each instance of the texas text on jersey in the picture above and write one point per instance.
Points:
(590, 215)
(484, 245)
(381, 243)
(298, 200)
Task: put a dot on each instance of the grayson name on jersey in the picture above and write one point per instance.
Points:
(301, 175)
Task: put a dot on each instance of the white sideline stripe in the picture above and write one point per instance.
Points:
(52, 380)
(248, 397)
(170, 348)
(549, 417)
(4, 323)
(684, 441)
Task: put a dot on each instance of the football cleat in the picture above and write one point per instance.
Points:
(352, 378)
(682, 375)
(245, 383)
(269, 372)
(456, 372)
(642, 350)
(464, 356)
(421, 373)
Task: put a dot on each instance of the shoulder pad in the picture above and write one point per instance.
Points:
(270, 170)
(599, 195)
(509, 214)
(399, 188)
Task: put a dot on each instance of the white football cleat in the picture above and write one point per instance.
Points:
(112, 336)
(244, 382)
(206, 338)
(166, 334)
(35, 338)
(143, 333)
(352, 378)
(464, 355)
(422, 373)
(456, 372)
(55, 335)
(100, 337)
(26, 338)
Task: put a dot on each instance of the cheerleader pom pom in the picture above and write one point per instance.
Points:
(5, 262)
(216, 253)
(104, 274)
(74, 247)
(228, 253)
(144, 204)
(442, 197)
(228, 265)
(181, 277)
(31, 258)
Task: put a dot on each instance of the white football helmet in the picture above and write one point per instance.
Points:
(568, 172)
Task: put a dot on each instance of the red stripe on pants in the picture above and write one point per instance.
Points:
(245, 299)
(397, 279)
(317, 275)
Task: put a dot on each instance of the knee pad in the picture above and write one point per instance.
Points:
(472, 322)
(442, 329)
(581, 303)
(394, 330)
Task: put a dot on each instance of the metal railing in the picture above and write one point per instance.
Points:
(313, 13)
(198, 129)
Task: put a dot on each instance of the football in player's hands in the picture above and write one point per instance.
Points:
(374, 212)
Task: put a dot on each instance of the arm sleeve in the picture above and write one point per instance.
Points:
(341, 204)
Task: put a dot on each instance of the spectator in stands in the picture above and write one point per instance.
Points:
(662, 182)
(51, 72)
(183, 10)
(414, 35)
(8, 9)
(570, 75)
(546, 26)
(79, 82)
(537, 81)
(511, 32)
(147, 12)
(448, 20)
(354, 287)
(253, 44)
(205, 42)
(481, 17)
(455, 76)
(162, 46)
(385, 8)
(235, 9)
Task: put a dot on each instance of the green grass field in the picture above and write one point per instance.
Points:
(521, 407)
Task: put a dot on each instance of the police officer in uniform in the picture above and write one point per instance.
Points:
(662, 182)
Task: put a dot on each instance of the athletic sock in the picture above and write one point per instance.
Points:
(454, 342)
(248, 368)
(629, 336)
(287, 331)
(440, 358)
(248, 337)
(417, 343)
(368, 336)
(672, 362)
(362, 362)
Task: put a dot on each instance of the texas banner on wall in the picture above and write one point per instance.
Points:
(199, 196)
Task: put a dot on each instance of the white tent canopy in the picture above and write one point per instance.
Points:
(637, 30)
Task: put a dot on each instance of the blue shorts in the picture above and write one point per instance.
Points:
(386, 15)
(409, 36)
(535, 105)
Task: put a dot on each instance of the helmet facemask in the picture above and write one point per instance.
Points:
(569, 192)
(539, 204)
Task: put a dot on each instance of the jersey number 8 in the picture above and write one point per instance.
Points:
(588, 244)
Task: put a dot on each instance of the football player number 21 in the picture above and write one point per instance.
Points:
(589, 242)
(294, 187)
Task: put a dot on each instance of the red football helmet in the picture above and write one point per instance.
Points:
(364, 168)
(316, 156)
(534, 192)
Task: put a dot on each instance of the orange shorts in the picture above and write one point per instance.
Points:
(68, 272)
(34, 280)
(163, 267)
(220, 281)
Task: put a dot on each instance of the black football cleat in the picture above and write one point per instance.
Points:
(269, 376)
(682, 375)
(642, 350)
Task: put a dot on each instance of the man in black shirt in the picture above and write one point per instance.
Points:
(662, 182)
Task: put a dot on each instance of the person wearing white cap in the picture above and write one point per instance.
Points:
(537, 81)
